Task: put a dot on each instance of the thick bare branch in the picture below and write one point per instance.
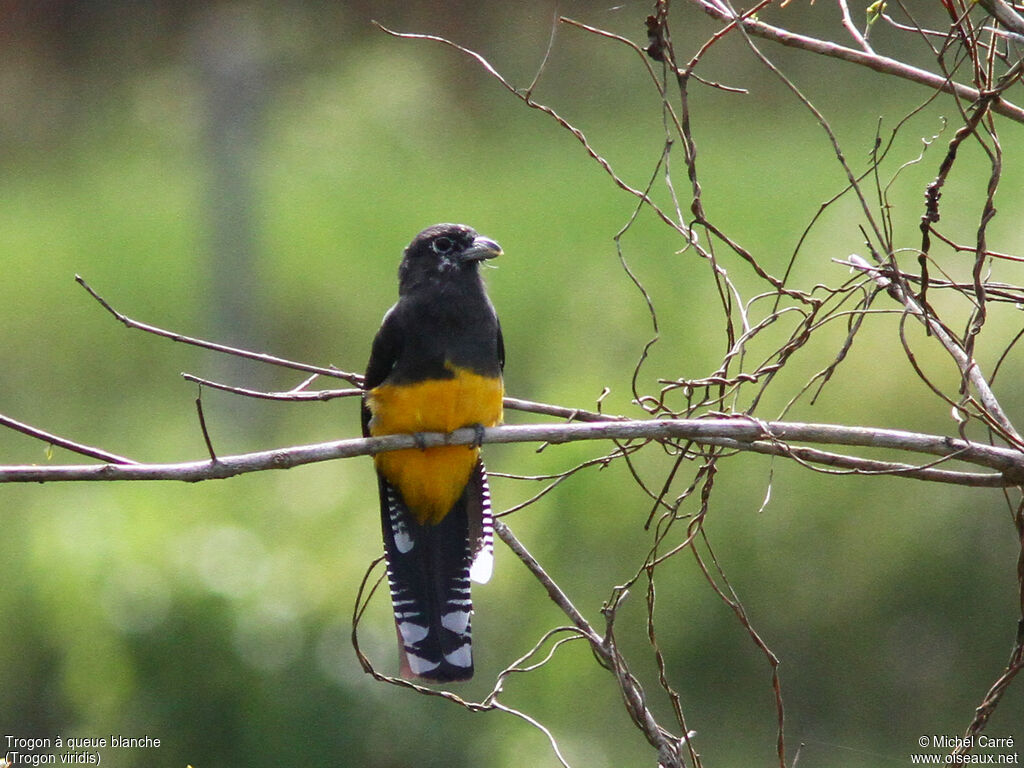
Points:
(737, 433)
(1004, 14)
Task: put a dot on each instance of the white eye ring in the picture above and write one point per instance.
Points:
(442, 245)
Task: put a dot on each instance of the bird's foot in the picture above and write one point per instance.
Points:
(478, 432)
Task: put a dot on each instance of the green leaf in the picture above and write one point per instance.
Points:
(875, 11)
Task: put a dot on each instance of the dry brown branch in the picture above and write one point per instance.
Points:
(214, 346)
(297, 395)
(881, 64)
(63, 442)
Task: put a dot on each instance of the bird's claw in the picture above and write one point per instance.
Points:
(478, 432)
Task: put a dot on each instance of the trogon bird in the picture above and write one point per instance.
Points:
(436, 366)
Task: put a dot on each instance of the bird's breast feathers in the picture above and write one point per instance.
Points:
(432, 480)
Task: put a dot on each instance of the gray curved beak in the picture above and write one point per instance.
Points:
(482, 248)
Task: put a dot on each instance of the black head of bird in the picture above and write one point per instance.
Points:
(443, 253)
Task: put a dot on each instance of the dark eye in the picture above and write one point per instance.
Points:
(443, 245)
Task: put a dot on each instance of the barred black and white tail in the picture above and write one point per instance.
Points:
(429, 572)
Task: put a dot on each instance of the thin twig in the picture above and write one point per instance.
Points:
(202, 426)
(63, 442)
(968, 366)
(852, 28)
(235, 351)
(529, 101)
(292, 395)
(558, 597)
(882, 64)
(297, 394)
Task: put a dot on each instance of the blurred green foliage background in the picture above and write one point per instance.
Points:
(249, 172)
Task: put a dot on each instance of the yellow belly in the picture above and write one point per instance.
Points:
(432, 480)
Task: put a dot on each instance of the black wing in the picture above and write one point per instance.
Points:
(387, 345)
(501, 345)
